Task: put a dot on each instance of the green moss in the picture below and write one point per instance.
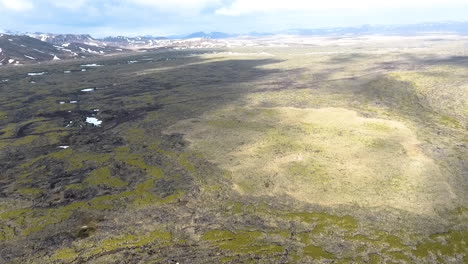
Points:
(30, 191)
(450, 121)
(447, 244)
(391, 241)
(227, 259)
(15, 214)
(280, 142)
(140, 196)
(460, 211)
(8, 131)
(130, 241)
(66, 254)
(242, 242)
(123, 154)
(212, 188)
(75, 186)
(24, 140)
(45, 126)
(325, 221)
(6, 232)
(3, 115)
(304, 237)
(316, 252)
(172, 198)
(236, 124)
(399, 256)
(74, 160)
(56, 137)
(308, 171)
(347, 261)
(46, 217)
(375, 259)
(102, 177)
(34, 220)
(185, 162)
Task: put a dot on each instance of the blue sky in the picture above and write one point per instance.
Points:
(168, 17)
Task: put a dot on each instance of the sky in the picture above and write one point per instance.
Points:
(172, 17)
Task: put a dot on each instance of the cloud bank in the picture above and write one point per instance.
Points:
(165, 17)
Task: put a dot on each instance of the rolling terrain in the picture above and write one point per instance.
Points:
(318, 150)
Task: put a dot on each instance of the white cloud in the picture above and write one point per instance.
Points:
(177, 5)
(70, 4)
(241, 7)
(16, 5)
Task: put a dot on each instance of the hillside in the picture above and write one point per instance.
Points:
(22, 49)
(319, 151)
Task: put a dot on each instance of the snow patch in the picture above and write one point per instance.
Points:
(66, 45)
(83, 70)
(92, 44)
(88, 90)
(56, 58)
(73, 102)
(63, 147)
(36, 73)
(66, 71)
(29, 57)
(61, 102)
(39, 51)
(91, 65)
(131, 62)
(94, 121)
(11, 61)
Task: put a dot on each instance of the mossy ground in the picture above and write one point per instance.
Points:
(324, 156)
(327, 154)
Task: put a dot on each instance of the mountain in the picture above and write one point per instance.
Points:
(211, 35)
(22, 49)
(411, 29)
(132, 41)
(460, 28)
(17, 49)
(63, 38)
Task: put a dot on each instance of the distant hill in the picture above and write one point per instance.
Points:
(211, 35)
(460, 28)
(131, 41)
(63, 38)
(16, 49)
(23, 49)
(20, 48)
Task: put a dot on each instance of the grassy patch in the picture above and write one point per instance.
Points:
(241, 242)
(102, 176)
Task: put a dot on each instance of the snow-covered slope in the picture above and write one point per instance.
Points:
(22, 49)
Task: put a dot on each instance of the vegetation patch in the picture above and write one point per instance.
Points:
(326, 156)
(102, 176)
(241, 242)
